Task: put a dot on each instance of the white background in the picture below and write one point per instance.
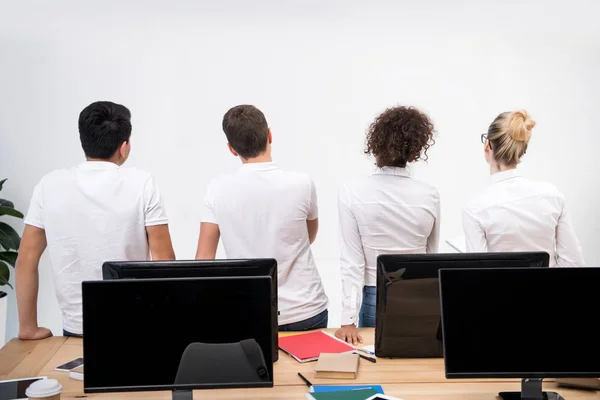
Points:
(321, 71)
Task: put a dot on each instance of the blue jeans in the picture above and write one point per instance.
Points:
(366, 316)
(69, 334)
(319, 321)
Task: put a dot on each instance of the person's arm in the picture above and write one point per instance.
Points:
(208, 241)
(353, 264)
(159, 242)
(433, 241)
(32, 246)
(157, 228)
(312, 220)
(313, 228)
(568, 249)
(475, 239)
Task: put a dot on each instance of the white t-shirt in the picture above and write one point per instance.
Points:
(518, 214)
(386, 213)
(262, 212)
(93, 213)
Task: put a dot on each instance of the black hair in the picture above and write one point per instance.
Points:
(103, 127)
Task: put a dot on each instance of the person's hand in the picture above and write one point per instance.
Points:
(349, 333)
(35, 334)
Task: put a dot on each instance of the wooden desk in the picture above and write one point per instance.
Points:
(407, 379)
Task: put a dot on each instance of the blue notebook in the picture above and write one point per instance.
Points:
(332, 388)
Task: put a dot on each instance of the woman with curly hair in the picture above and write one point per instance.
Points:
(515, 213)
(385, 213)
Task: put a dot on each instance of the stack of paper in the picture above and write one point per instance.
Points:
(306, 347)
(337, 366)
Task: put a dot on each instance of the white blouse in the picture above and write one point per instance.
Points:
(518, 214)
(385, 213)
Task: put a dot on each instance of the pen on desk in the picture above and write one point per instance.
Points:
(371, 359)
(305, 380)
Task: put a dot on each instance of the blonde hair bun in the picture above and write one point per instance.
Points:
(520, 125)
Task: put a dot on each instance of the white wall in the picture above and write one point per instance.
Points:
(320, 70)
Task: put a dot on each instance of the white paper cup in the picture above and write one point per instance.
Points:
(44, 389)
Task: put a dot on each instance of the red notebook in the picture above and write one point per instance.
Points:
(309, 346)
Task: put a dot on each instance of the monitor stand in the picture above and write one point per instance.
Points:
(183, 395)
(531, 389)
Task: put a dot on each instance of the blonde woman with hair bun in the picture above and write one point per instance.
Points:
(515, 213)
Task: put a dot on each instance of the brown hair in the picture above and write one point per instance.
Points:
(398, 136)
(247, 130)
(509, 136)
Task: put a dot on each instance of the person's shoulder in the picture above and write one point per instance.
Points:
(352, 188)
(296, 179)
(135, 173)
(136, 178)
(56, 176)
(427, 188)
(479, 202)
(545, 188)
(296, 176)
(223, 182)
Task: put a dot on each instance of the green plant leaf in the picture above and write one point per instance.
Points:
(5, 282)
(9, 257)
(4, 274)
(10, 211)
(2, 183)
(9, 238)
(6, 203)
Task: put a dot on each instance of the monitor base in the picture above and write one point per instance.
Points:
(518, 396)
(531, 389)
(183, 395)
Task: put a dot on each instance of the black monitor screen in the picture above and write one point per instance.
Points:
(520, 323)
(135, 331)
(408, 322)
(201, 268)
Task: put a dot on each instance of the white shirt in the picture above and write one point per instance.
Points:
(518, 214)
(386, 213)
(262, 212)
(92, 213)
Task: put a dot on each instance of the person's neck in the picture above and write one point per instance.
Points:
(263, 158)
(495, 168)
(110, 160)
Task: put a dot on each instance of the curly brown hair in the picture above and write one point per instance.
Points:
(398, 136)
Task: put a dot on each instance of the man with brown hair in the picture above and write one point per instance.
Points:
(261, 211)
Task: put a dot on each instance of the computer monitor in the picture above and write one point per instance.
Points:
(200, 268)
(136, 331)
(408, 318)
(521, 323)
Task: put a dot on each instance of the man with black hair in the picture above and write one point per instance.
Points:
(261, 211)
(95, 212)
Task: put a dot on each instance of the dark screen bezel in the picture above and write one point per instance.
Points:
(492, 374)
(139, 388)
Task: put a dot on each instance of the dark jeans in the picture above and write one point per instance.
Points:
(366, 316)
(319, 321)
(69, 334)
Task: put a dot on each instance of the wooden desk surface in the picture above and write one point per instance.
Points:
(419, 379)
